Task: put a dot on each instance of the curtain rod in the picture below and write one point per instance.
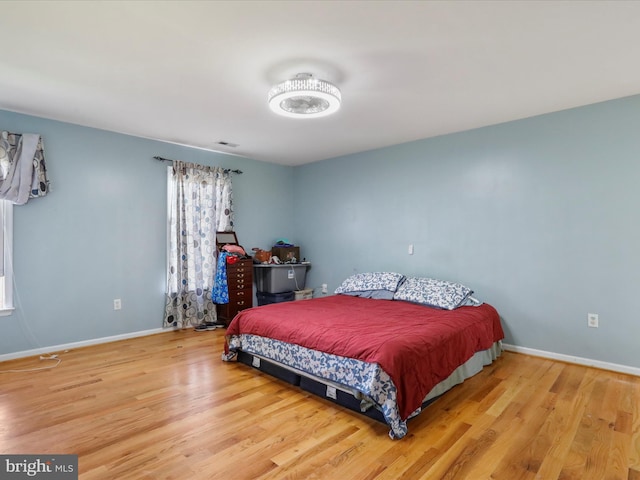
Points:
(162, 159)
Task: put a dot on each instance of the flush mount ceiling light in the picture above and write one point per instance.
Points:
(305, 97)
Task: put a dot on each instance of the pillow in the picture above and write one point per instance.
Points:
(375, 294)
(371, 285)
(432, 292)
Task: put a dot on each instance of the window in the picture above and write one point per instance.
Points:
(6, 257)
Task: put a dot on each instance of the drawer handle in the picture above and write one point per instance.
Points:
(240, 303)
(240, 293)
(241, 274)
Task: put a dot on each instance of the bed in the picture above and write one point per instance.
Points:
(371, 349)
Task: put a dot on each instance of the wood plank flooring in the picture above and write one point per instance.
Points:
(167, 407)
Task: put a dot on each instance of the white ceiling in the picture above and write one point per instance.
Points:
(196, 73)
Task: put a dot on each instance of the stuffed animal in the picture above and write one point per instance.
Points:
(262, 256)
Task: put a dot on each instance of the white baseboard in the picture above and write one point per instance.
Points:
(571, 359)
(510, 348)
(84, 343)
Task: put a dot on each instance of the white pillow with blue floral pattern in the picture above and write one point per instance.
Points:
(432, 292)
(375, 294)
(363, 284)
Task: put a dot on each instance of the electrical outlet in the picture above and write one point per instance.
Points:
(592, 320)
(324, 288)
(117, 304)
(411, 249)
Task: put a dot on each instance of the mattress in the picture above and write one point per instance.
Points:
(389, 354)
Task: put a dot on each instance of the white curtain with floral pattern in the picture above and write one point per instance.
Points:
(200, 204)
(23, 174)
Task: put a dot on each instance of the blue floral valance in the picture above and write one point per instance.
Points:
(23, 174)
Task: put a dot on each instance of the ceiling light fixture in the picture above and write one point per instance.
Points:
(304, 97)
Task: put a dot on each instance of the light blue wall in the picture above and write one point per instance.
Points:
(101, 232)
(538, 216)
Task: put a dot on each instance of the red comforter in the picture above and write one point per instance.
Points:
(417, 346)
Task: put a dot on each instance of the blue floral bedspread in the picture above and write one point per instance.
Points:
(367, 378)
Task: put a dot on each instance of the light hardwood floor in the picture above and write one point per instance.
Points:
(166, 406)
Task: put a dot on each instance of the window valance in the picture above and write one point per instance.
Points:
(23, 174)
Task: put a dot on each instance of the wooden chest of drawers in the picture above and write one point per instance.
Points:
(240, 282)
